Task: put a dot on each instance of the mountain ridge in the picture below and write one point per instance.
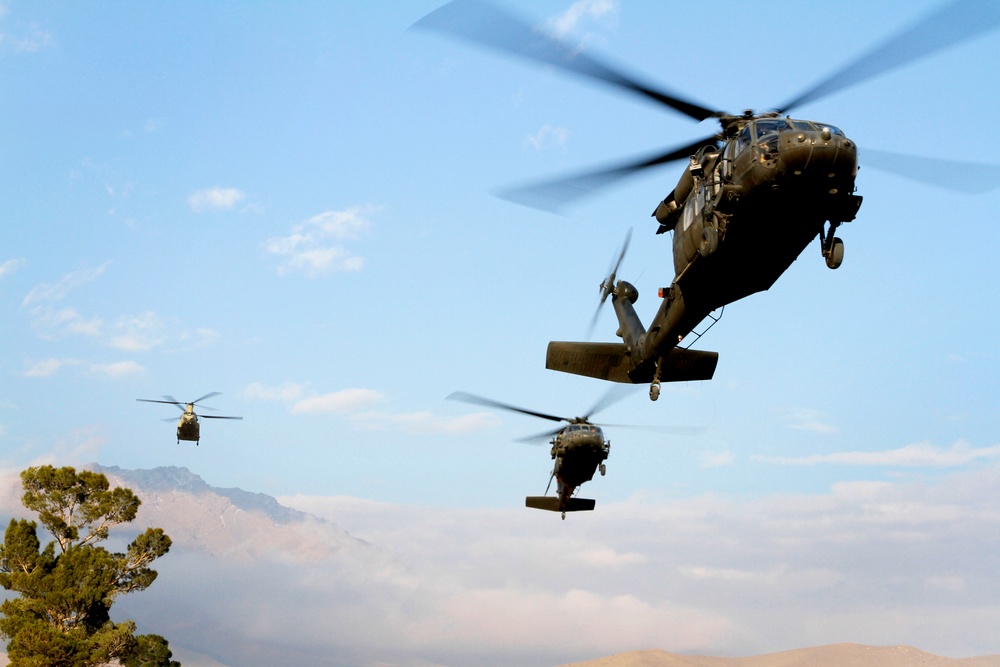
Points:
(830, 655)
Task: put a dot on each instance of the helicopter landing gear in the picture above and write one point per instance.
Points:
(603, 469)
(564, 516)
(654, 386)
(709, 241)
(832, 247)
(835, 257)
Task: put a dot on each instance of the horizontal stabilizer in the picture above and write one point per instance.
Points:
(609, 361)
(551, 503)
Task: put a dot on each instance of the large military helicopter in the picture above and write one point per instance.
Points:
(750, 199)
(579, 449)
(188, 427)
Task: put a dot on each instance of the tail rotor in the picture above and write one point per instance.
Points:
(607, 286)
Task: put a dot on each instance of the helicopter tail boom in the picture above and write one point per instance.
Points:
(610, 361)
(551, 504)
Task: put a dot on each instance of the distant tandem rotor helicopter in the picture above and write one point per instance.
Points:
(188, 427)
(751, 197)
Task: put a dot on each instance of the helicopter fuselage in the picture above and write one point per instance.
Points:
(740, 215)
(188, 427)
(748, 212)
(579, 451)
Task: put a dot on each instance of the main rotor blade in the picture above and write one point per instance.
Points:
(489, 26)
(615, 393)
(218, 417)
(539, 438)
(206, 396)
(152, 400)
(953, 23)
(552, 195)
(490, 403)
(180, 404)
(968, 177)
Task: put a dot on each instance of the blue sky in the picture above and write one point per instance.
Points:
(291, 204)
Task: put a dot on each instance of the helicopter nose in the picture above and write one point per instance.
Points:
(819, 154)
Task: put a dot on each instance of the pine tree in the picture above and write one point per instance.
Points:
(65, 590)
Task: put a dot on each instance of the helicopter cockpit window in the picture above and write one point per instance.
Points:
(767, 126)
(744, 139)
(803, 125)
(836, 131)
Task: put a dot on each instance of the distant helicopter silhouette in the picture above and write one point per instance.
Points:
(188, 427)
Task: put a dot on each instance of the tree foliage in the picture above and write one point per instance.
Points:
(61, 617)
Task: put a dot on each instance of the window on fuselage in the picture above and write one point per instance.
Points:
(766, 126)
(836, 131)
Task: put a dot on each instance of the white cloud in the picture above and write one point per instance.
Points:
(117, 370)
(569, 21)
(137, 333)
(286, 392)
(919, 455)
(548, 135)
(883, 564)
(31, 40)
(810, 420)
(343, 401)
(429, 423)
(199, 338)
(55, 322)
(215, 199)
(56, 292)
(10, 267)
(315, 246)
(717, 459)
(48, 367)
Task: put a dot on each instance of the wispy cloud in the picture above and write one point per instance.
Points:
(918, 455)
(425, 423)
(343, 401)
(546, 136)
(137, 333)
(10, 266)
(289, 391)
(48, 367)
(215, 199)
(810, 420)
(117, 370)
(315, 247)
(717, 459)
(51, 292)
(53, 323)
(570, 20)
(31, 39)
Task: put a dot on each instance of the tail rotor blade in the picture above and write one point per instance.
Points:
(608, 285)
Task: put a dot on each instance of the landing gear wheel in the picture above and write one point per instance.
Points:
(835, 255)
(654, 391)
(709, 241)
(603, 470)
(564, 516)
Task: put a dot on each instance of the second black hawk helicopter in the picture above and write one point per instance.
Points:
(750, 199)
(579, 450)
(188, 427)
